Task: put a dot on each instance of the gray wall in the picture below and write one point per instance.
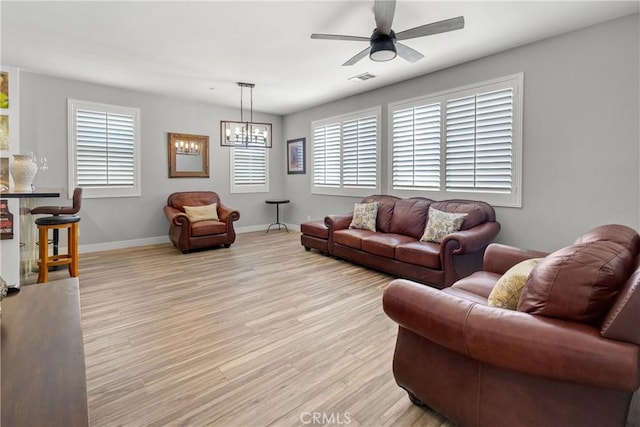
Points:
(44, 131)
(580, 142)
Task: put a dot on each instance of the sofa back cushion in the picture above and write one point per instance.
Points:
(578, 282)
(385, 210)
(476, 212)
(410, 216)
(617, 233)
(192, 198)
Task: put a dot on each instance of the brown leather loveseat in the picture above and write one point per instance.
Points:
(567, 355)
(395, 246)
(189, 233)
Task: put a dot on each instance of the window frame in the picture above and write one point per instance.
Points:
(247, 188)
(105, 191)
(512, 199)
(341, 189)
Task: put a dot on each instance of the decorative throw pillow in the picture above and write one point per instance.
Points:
(440, 224)
(364, 216)
(507, 290)
(202, 213)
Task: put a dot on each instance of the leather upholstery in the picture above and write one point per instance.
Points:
(395, 247)
(62, 210)
(509, 367)
(186, 235)
(315, 234)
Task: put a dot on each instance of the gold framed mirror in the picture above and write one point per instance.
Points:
(188, 156)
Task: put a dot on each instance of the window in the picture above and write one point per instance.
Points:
(103, 149)
(464, 143)
(346, 154)
(249, 169)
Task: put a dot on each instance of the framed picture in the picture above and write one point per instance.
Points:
(4, 132)
(188, 155)
(296, 156)
(4, 173)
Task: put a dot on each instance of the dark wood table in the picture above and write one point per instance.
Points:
(36, 193)
(13, 260)
(43, 370)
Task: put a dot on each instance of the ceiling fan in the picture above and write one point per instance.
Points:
(383, 42)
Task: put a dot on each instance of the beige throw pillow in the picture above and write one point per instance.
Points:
(364, 216)
(202, 213)
(507, 290)
(440, 224)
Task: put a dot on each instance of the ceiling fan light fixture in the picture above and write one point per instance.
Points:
(383, 47)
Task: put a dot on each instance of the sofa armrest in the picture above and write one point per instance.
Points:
(473, 239)
(499, 258)
(227, 214)
(512, 340)
(176, 216)
(338, 222)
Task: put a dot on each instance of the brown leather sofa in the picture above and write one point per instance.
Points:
(187, 235)
(395, 246)
(569, 355)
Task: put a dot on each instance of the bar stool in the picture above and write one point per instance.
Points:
(60, 210)
(45, 261)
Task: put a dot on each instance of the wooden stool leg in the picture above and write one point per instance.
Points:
(72, 240)
(43, 254)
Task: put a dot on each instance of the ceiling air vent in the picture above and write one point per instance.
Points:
(361, 77)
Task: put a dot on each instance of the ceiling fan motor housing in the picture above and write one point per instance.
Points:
(383, 46)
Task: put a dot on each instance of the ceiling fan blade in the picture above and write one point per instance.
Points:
(433, 28)
(383, 10)
(408, 53)
(338, 37)
(358, 57)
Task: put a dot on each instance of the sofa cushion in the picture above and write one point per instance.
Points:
(410, 217)
(424, 254)
(315, 229)
(440, 224)
(384, 244)
(507, 290)
(578, 282)
(364, 216)
(480, 283)
(386, 206)
(351, 237)
(207, 228)
(476, 213)
(202, 213)
(617, 233)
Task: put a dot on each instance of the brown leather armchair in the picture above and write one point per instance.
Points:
(187, 235)
(538, 365)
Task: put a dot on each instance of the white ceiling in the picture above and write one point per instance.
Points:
(199, 50)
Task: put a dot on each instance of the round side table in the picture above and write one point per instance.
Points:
(277, 202)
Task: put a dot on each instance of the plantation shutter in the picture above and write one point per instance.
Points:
(326, 155)
(104, 149)
(416, 147)
(249, 165)
(479, 142)
(359, 157)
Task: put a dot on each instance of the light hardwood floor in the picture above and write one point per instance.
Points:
(263, 333)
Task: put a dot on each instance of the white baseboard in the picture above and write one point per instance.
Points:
(122, 244)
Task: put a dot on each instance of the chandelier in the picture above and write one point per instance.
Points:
(245, 133)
